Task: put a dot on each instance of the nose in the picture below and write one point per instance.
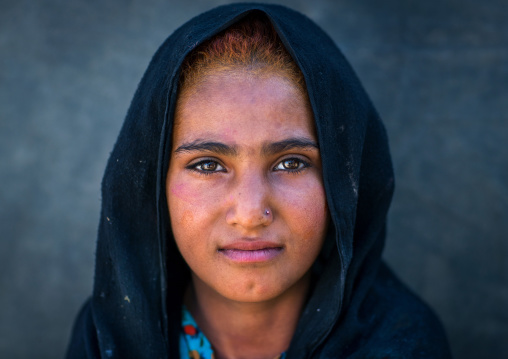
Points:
(250, 198)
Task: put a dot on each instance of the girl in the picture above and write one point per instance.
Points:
(244, 206)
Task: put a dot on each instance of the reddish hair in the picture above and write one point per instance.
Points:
(251, 45)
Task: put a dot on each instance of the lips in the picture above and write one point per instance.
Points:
(251, 251)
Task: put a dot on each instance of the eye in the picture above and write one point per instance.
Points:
(207, 167)
(291, 165)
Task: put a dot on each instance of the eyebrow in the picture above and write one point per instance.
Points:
(289, 144)
(208, 146)
(227, 150)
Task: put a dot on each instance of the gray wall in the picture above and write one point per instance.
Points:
(436, 70)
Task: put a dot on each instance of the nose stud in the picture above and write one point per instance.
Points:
(267, 212)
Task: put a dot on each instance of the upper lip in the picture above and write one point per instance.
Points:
(250, 245)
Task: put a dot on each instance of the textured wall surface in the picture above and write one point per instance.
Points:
(436, 70)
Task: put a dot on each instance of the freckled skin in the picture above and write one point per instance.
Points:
(209, 211)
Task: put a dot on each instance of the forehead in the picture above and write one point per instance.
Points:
(239, 107)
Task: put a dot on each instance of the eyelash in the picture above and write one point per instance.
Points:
(194, 167)
(301, 166)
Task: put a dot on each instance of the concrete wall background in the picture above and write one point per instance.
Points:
(436, 70)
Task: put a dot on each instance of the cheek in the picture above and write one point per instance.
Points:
(182, 192)
(182, 200)
(191, 207)
(308, 210)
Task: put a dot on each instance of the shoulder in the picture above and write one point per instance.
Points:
(390, 322)
(83, 343)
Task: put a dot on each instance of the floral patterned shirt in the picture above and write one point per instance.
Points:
(193, 343)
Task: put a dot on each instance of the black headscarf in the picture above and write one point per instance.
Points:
(357, 308)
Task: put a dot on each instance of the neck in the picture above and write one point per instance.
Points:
(244, 330)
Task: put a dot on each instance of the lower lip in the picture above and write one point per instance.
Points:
(254, 256)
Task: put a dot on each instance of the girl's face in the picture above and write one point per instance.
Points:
(244, 186)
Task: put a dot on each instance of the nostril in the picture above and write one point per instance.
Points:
(249, 217)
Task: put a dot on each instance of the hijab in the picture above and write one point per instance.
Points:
(357, 307)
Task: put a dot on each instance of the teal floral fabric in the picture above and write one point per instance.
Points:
(193, 343)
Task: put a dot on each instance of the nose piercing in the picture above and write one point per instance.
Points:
(267, 212)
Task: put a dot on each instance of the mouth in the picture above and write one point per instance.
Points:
(251, 251)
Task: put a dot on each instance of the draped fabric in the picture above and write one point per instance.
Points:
(357, 307)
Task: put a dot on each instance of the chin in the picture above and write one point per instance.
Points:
(251, 296)
(257, 291)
